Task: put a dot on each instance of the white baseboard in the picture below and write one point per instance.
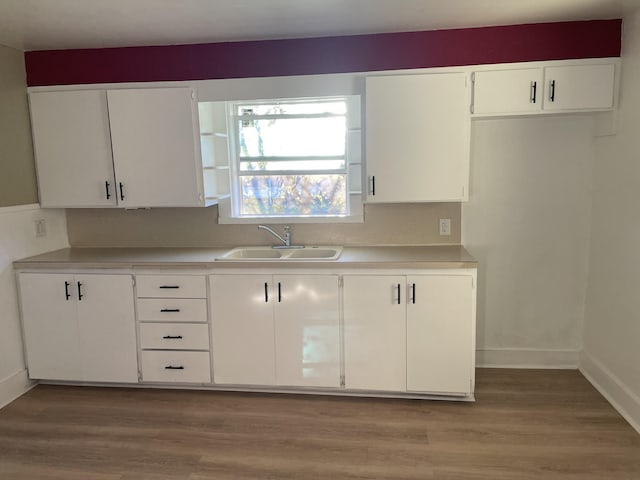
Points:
(612, 388)
(526, 358)
(14, 386)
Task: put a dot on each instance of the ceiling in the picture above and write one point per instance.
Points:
(63, 24)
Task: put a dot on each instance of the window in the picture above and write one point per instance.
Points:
(294, 160)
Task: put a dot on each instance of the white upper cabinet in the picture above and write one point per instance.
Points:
(155, 142)
(579, 87)
(73, 148)
(417, 138)
(508, 91)
(544, 89)
(150, 137)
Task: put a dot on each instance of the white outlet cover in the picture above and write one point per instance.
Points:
(445, 226)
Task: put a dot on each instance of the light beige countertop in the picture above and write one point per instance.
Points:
(439, 256)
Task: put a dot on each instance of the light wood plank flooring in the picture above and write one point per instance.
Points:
(526, 424)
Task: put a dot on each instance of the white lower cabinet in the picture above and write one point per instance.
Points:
(409, 333)
(276, 330)
(79, 327)
(173, 327)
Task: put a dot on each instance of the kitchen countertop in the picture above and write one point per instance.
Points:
(437, 256)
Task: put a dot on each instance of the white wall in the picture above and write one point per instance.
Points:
(527, 223)
(611, 357)
(18, 240)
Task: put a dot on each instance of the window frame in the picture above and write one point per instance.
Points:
(353, 170)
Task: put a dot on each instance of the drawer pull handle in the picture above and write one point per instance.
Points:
(173, 337)
(398, 287)
(106, 187)
(169, 286)
(266, 292)
(171, 367)
(67, 295)
(170, 310)
(80, 295)
(121, 191)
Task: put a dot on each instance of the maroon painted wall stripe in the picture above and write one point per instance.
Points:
(358, 53)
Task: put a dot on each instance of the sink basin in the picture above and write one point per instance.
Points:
(252, 253)
(316, 252)
(273, 254)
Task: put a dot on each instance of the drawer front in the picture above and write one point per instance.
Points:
(171, 286)
(177, 336)
(172, 310)
(176, 367)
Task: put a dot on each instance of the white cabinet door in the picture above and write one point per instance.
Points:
(80, 327)
(579, 87)
(508, 91)
(307, 330)
(375, 332)
(155, 142)
(417, 137)
(439, 334)
(243, 331)
(106, 323)
(72, 146)
(48, 304)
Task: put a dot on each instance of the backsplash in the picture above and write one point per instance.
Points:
(393, 224)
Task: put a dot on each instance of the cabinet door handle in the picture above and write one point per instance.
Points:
(552, 91)
(172, 337)
(413, 293)
(534, 90)
(398, 287)
(80, 291)
(170, 310)
(169, 286)
(279, 293)
(121, 191)
(266, 292)
(67, 295)
(373, 185)
(106, 187)
(172, 367)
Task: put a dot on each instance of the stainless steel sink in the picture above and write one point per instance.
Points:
(283, 254)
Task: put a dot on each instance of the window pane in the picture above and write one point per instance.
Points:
(286, 195)
(293, 137)
(308, 165)
(294, 108)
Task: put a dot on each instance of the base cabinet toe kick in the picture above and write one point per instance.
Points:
(358, 332)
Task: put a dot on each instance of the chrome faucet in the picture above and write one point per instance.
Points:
(286, 240)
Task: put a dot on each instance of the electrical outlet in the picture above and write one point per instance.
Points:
(41, 227)
(445, 226)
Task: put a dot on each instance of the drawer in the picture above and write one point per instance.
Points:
(171, 286)
(177, 336)
(176, 366)
(172, 310)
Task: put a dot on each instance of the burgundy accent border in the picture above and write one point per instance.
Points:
(358, 53)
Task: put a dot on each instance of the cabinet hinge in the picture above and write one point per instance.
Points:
(342, 382)
(193, 95)
(133, 280)
(340, 282)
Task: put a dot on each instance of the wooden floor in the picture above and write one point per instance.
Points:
(525, 425)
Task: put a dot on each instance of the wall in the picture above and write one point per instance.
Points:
(611, 357)
(17, 229)
(17, 170)
(527, 223)
(198, 227)
(18, 240)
